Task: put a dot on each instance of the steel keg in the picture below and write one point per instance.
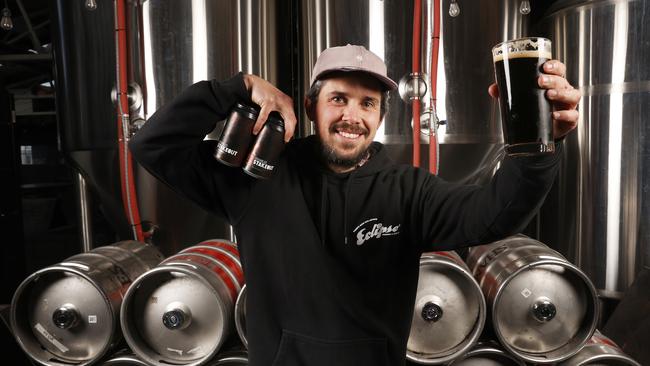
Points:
(181, 312)
(69, 313)
(450, 310)
(240, 316)
(600, 350)
(543, 309)
(487, 354)
(231, 358)
(123, 358)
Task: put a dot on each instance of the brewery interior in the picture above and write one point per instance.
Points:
(79, 78)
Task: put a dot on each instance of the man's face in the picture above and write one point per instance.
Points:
(347, 115)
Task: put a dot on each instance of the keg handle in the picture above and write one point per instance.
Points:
(176, 316)
(66, 317)
(431, 312)
(543, 310)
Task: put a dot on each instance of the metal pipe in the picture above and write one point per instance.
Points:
(84, 214)
(417, 8)
(35, 42)
(27, 33)
(433, 120)
(129, 199)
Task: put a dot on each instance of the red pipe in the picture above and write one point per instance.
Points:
(129, 198)
(417, 10)
(433, 136)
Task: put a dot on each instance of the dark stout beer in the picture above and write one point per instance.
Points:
(525, 111)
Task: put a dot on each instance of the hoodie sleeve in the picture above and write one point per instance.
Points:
(171, 147)
(452, 216)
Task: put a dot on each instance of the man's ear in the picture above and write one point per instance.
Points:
(309, 108)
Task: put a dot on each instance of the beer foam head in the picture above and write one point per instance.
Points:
(523, 47)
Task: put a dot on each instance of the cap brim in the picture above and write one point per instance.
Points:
(387, 82)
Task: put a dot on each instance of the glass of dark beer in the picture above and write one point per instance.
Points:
(525, 111)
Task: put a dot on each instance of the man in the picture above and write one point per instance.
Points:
(331, 244)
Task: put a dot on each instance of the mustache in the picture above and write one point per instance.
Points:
(349, 127)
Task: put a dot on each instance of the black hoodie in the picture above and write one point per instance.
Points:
(331, 260)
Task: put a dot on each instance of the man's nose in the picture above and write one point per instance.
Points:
(352, 114)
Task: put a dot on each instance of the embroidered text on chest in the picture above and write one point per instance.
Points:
(372, 229)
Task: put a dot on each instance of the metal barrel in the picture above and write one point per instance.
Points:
(182, 311)
(543, 309)
(600, 350)
(68, 314)
(487, 354)
(450, 310)
(231, 358)
(123, 358)
(240, 316)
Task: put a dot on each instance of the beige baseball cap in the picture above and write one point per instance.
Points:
(351, 58)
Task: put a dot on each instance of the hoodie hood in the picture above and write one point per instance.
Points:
(329, 192)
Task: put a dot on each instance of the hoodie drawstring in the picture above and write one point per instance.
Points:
(348, 184)
(323, 212)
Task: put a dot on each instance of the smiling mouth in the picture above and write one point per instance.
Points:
(349, 132)
(349, 135)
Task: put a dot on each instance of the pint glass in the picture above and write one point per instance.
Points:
(525, 111)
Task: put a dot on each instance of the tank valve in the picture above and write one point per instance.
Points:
(431, 312)
(65, 317)
(177, 316)
(544, 310)
(412, 87)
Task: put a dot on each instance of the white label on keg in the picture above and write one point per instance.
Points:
(180, 352)
(51, 338)
(526, 292)
(194, 350)
(92, 319)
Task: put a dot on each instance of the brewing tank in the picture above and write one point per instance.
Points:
(597, 215)
(471, 140)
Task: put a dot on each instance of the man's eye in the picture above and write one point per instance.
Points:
(369, 104)
(337, 99)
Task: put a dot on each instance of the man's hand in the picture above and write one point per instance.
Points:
(563, 97)
(270, 99)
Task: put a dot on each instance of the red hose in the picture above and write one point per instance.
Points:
(129, 198)
(417, 10)
(433, 137)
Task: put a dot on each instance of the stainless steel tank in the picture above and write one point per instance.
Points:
(543, 309)
(449, 313)
(240, 316)
(598, 214)
(183, 42)
(69, 313)
(487, 354)
(181, 312)
(471, 141)
(600, 350)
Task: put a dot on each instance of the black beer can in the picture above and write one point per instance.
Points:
(236, 136)
(265, 154)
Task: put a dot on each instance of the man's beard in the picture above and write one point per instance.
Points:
(330, 156)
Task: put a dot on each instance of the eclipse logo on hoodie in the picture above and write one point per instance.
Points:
(371, 229)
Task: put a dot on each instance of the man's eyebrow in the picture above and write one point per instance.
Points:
(337, 92)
